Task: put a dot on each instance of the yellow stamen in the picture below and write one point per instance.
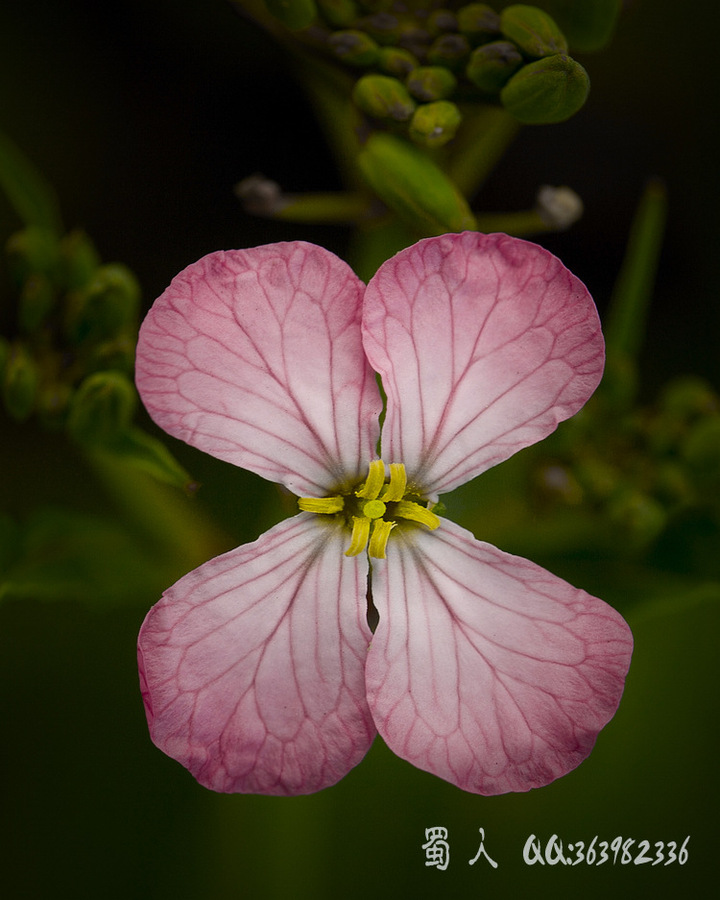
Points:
(398, 482)
(406, 509)
(360, 534)
(379, 539)
(323, 505)
(375, 480)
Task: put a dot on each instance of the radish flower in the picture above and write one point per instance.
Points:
(259, 670)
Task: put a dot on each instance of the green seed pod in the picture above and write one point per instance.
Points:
(434, 124)
(37, 300)
(451, 50)
(20, 383)
(31, 251)
(410, 184)
(492, 65)
(479, 22)
(383, 98)
(547, 91)
(294, 14)
(396, 61)
(429, 83)
(354, 48)
(107, 305)
(101, 408)
(533, 30)
(339, 13)
(79, 260)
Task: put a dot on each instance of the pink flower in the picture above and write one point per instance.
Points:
(259, 670)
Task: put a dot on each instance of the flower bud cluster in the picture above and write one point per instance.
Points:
(69, 366)
(420, 60)
(642, 471)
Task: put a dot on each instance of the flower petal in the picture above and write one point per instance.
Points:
(485, 669)
(255, 356)
(484, 343)
(252, 665)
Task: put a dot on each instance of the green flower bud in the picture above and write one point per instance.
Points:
(701, 448)
(101, 408)
(20, 383)
(108, 304)
(429, 83)
(31, 251)
(449, 50)
(339, 13)
(118, 354)
(492, 65)
(354, 48)
(546, 91)
(52, 405)
(533, 30)
(383, 98)
(441, 21)
(478, 21)
(410, 184)
(79, 260)
(293, 14)
(688, 397)
(37, 300)
(383, 26)
(434, 124)
(396, 61)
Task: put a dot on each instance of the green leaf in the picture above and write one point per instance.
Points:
(30, 195)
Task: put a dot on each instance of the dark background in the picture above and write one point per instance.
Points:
(143, 114)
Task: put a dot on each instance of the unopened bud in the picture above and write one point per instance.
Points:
(383, 26)
(79, 260)
(108, 304)
(293, 14)
(20, 382)
(492, 65)
(383, 97)
(478, 21)
(547, 91)
(441, 21)
(260, 196)
(451, 50)
(354, 48)
(37, 300)
(340, 13)
(396, 61)
(410, 184)
(31, 251)
(434, 124)
(52, 405)
(429, 83)
(558, 207)
(534, 31)
(101, 408)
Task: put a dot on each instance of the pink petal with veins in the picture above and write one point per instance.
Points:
(255, 356)
(485, 669)
(484, 343)
(252, 666)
